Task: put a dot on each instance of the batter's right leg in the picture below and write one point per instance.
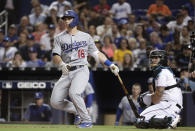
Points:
(59, 96)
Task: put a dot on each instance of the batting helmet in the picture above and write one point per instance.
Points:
(72, 13)
(160, 54)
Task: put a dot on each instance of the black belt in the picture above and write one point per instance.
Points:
(72, 68)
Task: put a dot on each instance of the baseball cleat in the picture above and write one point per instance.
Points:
(85, 125)
(175, 121)
(77, 120)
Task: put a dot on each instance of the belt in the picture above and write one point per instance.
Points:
(72, 68)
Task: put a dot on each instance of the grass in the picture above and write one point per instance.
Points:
(28, 127)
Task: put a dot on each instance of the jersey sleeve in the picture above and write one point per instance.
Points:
(161, 81)
(128, 8)
(91, 47)
(57, 46)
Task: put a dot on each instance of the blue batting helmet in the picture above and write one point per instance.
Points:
(72, 13)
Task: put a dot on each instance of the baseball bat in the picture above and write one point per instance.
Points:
(129, 98)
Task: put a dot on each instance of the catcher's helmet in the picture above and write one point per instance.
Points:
(72, 13)
(160, 54)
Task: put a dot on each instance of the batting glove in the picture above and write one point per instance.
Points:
(114, 69)
(64, 67)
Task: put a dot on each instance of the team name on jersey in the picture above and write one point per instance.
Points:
(73, 46)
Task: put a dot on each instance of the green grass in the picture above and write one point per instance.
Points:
(28, 127)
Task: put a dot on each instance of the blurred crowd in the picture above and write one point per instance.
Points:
(124, 35)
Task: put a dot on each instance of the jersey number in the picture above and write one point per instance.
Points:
(81, 53)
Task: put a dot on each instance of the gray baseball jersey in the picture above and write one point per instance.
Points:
(128, 115)
(73, 50)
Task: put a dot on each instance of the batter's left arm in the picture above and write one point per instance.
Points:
(99, 56)
(108, 63)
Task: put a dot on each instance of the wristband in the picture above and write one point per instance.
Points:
(108, 63)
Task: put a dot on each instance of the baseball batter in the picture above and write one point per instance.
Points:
(167, 98)
(70, 51)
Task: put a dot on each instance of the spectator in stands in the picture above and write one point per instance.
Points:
(12, 34)
(99, 45)
(17, 61)
(171, 60)
(34, 61)
(115, 35)
(30, 43)
(95, 18)
(123, 49)
(7, 52)
(132, 44)
(120, 10)
(83, 20)
(191, 26)
(128, 62)
(183, 58)
(184, 12)
(52, 16)
(93, 33)
(153, 25)
(166, 35)
(124, 24)
(108, 47)
(47, 58)
(38, 111)
(140, 32)
(193, 74)
(159, 9)
(102, 8)
(140, 54)
(22, 40)
(185, 36)
(61, 6)
(176, 46)
(125, 109)
(156, 41)
(106, 28)
(24, 25)
(40, 30)
(79, 5)
(190, 5)
(1, 37)
(60, 27)
(37, 16)
(132, 22)
(45, 39)
(184, 80)
(36, 3)
(177, 24)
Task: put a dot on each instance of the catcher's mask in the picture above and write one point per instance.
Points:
(155, 54)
